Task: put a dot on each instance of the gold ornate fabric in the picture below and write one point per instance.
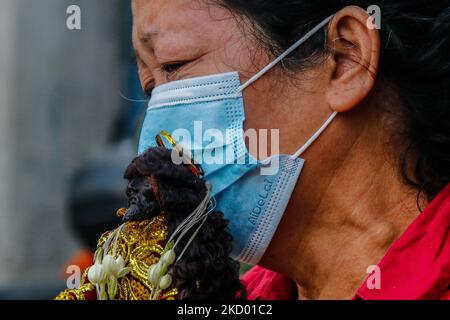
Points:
(140, 244)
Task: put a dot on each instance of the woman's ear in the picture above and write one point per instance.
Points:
(355, 48)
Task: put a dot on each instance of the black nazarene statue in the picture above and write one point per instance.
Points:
(172, 244)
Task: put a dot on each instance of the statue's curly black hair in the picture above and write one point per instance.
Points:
(206, 270)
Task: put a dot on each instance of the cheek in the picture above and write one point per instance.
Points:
(260, 100)
(237, 53)
(296, 110)
(226, 45)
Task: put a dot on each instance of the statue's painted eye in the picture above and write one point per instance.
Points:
(133, 186)
(128, 191)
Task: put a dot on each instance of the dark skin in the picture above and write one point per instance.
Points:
(142, 203)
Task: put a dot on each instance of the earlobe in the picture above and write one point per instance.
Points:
(355, 52)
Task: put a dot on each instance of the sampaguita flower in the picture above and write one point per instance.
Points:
(107, 272)
(98, 277)
(114, 269)
(96, 274)
(169, 257)
(165, 282)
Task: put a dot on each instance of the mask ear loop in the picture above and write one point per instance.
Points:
(309, 142)
(314, 137)
(278, 60)
(286, 53)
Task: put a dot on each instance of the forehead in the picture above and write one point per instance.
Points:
(154, 20)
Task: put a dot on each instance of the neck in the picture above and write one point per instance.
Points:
(345, 223)
(332, 260)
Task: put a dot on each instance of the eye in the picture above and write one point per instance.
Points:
(128, 191)
(172, 67)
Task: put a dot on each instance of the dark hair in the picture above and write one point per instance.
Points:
(206, 270)
(415, 59)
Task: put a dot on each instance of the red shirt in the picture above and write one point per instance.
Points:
(416, 266)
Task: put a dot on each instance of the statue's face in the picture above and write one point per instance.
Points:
(142, 203)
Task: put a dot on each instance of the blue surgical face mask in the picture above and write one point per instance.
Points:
(252, 194)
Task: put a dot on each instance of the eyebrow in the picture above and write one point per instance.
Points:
(147, 37)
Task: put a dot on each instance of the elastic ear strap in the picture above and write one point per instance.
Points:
(315, 136)
(286, 53)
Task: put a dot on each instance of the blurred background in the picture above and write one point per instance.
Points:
(66, 136)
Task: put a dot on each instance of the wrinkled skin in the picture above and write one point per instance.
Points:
(142, 203)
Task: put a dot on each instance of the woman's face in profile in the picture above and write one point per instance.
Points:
(181, 39)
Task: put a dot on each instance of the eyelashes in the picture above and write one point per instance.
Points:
(170, 68)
